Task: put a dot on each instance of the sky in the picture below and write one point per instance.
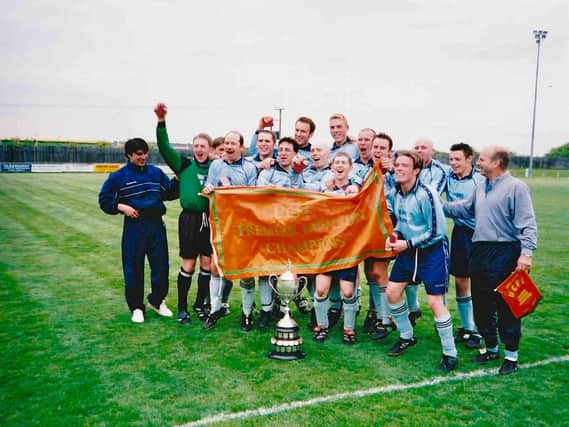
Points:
(453, 71)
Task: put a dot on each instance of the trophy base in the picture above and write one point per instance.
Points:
(287, 356)
(287, 343)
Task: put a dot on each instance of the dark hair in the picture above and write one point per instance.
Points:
(289, 140)
(270, 132)
(135, 144)
(417, 161)
(465, 148)
(308, 121)
(217, 141)
(385, 136)
(503, 157)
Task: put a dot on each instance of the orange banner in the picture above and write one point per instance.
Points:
(520, 293)
(257, 230)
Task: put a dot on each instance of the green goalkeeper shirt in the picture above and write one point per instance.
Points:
(191, 173)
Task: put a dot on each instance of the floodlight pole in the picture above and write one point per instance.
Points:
(539, 36)
(280, 110)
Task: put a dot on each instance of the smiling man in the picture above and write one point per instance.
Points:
(378, 319)
(461, 183)
(193, 224)
(231, 170)
(265, 156)
(279, 175)
(504, 240)
(422, 256)
(137, 190)
(339, 132)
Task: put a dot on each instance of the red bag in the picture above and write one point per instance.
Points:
(520, 293)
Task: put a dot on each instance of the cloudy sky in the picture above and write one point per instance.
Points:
(450, 70)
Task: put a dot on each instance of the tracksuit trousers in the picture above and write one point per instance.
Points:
(491, 263)
(144, 237)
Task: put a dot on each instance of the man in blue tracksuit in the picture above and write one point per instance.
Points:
(137, 190)
(422, 249)
(504, 240)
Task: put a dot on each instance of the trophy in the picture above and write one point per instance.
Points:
(287, 344)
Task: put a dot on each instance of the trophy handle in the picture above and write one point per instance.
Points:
(273, 280)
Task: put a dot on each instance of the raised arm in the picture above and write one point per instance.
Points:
(172, 157)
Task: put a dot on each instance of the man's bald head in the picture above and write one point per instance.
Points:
(424, 147)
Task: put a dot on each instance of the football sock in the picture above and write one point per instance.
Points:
(444, 329)
(227, 286)
(511, 355)
(374, 299)
(321, 310)
(203, 288)
(384, 310)
(184, 283)
(350, 310)
(247, 299)
(400, 314)
(464, 305)
(412, 293)
(265, 294)
(215, 290)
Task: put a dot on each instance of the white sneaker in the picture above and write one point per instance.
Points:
(137, 316)
(162, 310)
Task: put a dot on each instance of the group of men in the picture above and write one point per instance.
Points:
(494, 232)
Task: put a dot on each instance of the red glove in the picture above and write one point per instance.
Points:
(161, 110)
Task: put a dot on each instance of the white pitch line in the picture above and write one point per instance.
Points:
(361, 393)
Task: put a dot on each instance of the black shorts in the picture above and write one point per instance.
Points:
(194, 235)
(460, 251)
(348, 274)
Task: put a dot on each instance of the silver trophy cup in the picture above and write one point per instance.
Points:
(287, 344)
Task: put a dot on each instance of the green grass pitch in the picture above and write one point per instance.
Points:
(71, 356)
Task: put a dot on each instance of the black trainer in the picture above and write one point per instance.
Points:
(349, 337)
(333, 317)
(401, 346)
(201, 312)
(474, 341)
(183, 318)
(508, 367)
(370, 321)
(485, 357)
(449, 363)
(320, 334)
(212, 319)
(382, 330)
(225, 309)
(264, 320)
(246, 322)
(414, 315)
